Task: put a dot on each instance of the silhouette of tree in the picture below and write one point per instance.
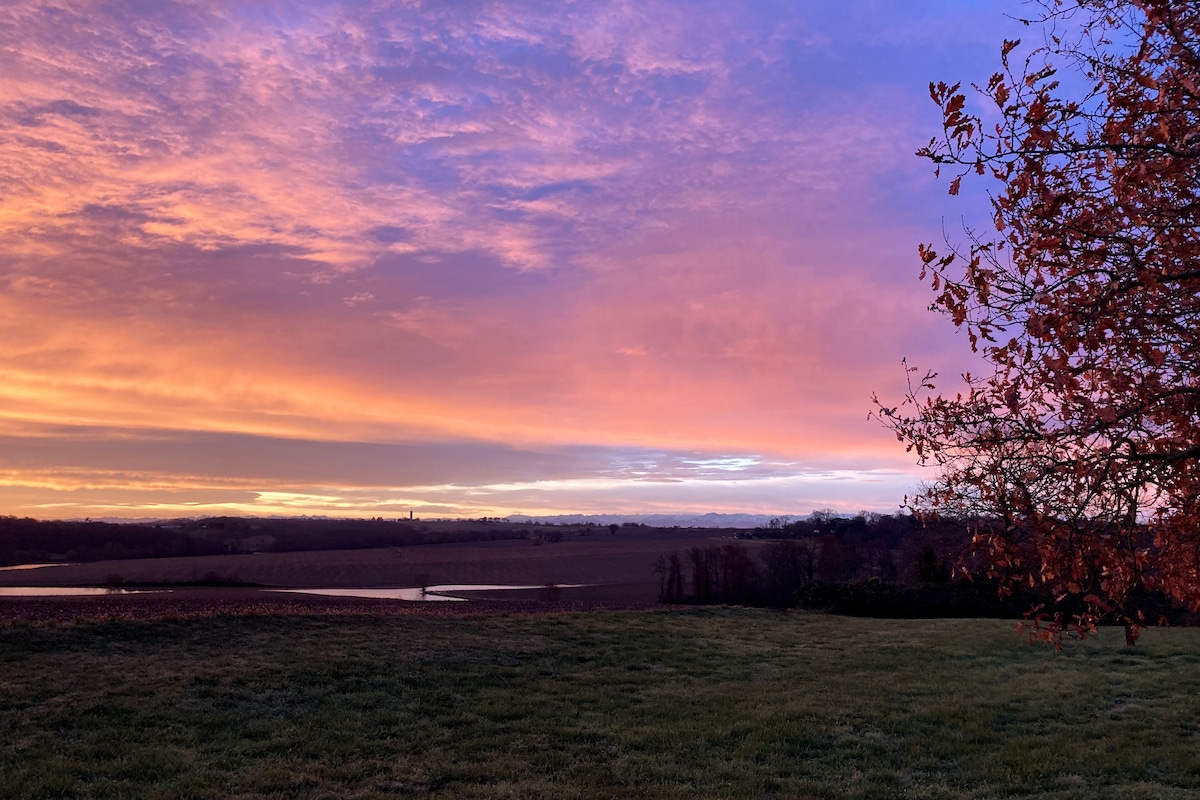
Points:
(669, 569)
(1084, 439)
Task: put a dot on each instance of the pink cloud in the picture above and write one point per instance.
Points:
(663, 225)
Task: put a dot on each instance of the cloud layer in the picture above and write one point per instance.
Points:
(453, 231)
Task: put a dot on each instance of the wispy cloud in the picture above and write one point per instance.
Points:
(679, 225)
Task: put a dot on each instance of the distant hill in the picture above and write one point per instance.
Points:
(743, 521)
(711, 520)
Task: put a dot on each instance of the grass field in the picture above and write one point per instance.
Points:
(657, 704)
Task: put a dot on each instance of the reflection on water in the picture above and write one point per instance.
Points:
(429, 593)
(386, 594)
(36, 566)
(65, 591)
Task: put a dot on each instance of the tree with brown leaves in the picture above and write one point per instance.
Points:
(1082, 447)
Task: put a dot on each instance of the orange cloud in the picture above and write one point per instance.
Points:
(638, 226)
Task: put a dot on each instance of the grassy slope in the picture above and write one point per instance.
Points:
(705, 703)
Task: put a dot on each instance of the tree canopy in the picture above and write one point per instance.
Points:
(1083, 444)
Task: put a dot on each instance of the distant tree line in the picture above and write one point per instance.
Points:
(894, 548)
(726, 573)
(25, 540)
(867, 565)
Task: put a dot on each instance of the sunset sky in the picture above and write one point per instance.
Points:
(469, 258)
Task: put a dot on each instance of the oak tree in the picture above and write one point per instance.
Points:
(1079, 452)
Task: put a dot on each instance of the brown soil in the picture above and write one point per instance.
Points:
(616, 571)
(599, 559)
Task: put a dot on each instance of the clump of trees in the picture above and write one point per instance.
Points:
(803, 558)
(720, 573)
(26, 540)
(868, 545)
(1080, 447)
(871, 565)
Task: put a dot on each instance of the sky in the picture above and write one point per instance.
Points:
(462, 259)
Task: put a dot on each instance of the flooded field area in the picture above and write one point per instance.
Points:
(68, 591)
(438, 592)
(455, 592)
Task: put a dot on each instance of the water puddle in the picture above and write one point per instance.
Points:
(66, 591)
(448, 592)
(440, 592)
(417, 594)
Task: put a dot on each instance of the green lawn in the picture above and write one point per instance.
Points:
(705, 703)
